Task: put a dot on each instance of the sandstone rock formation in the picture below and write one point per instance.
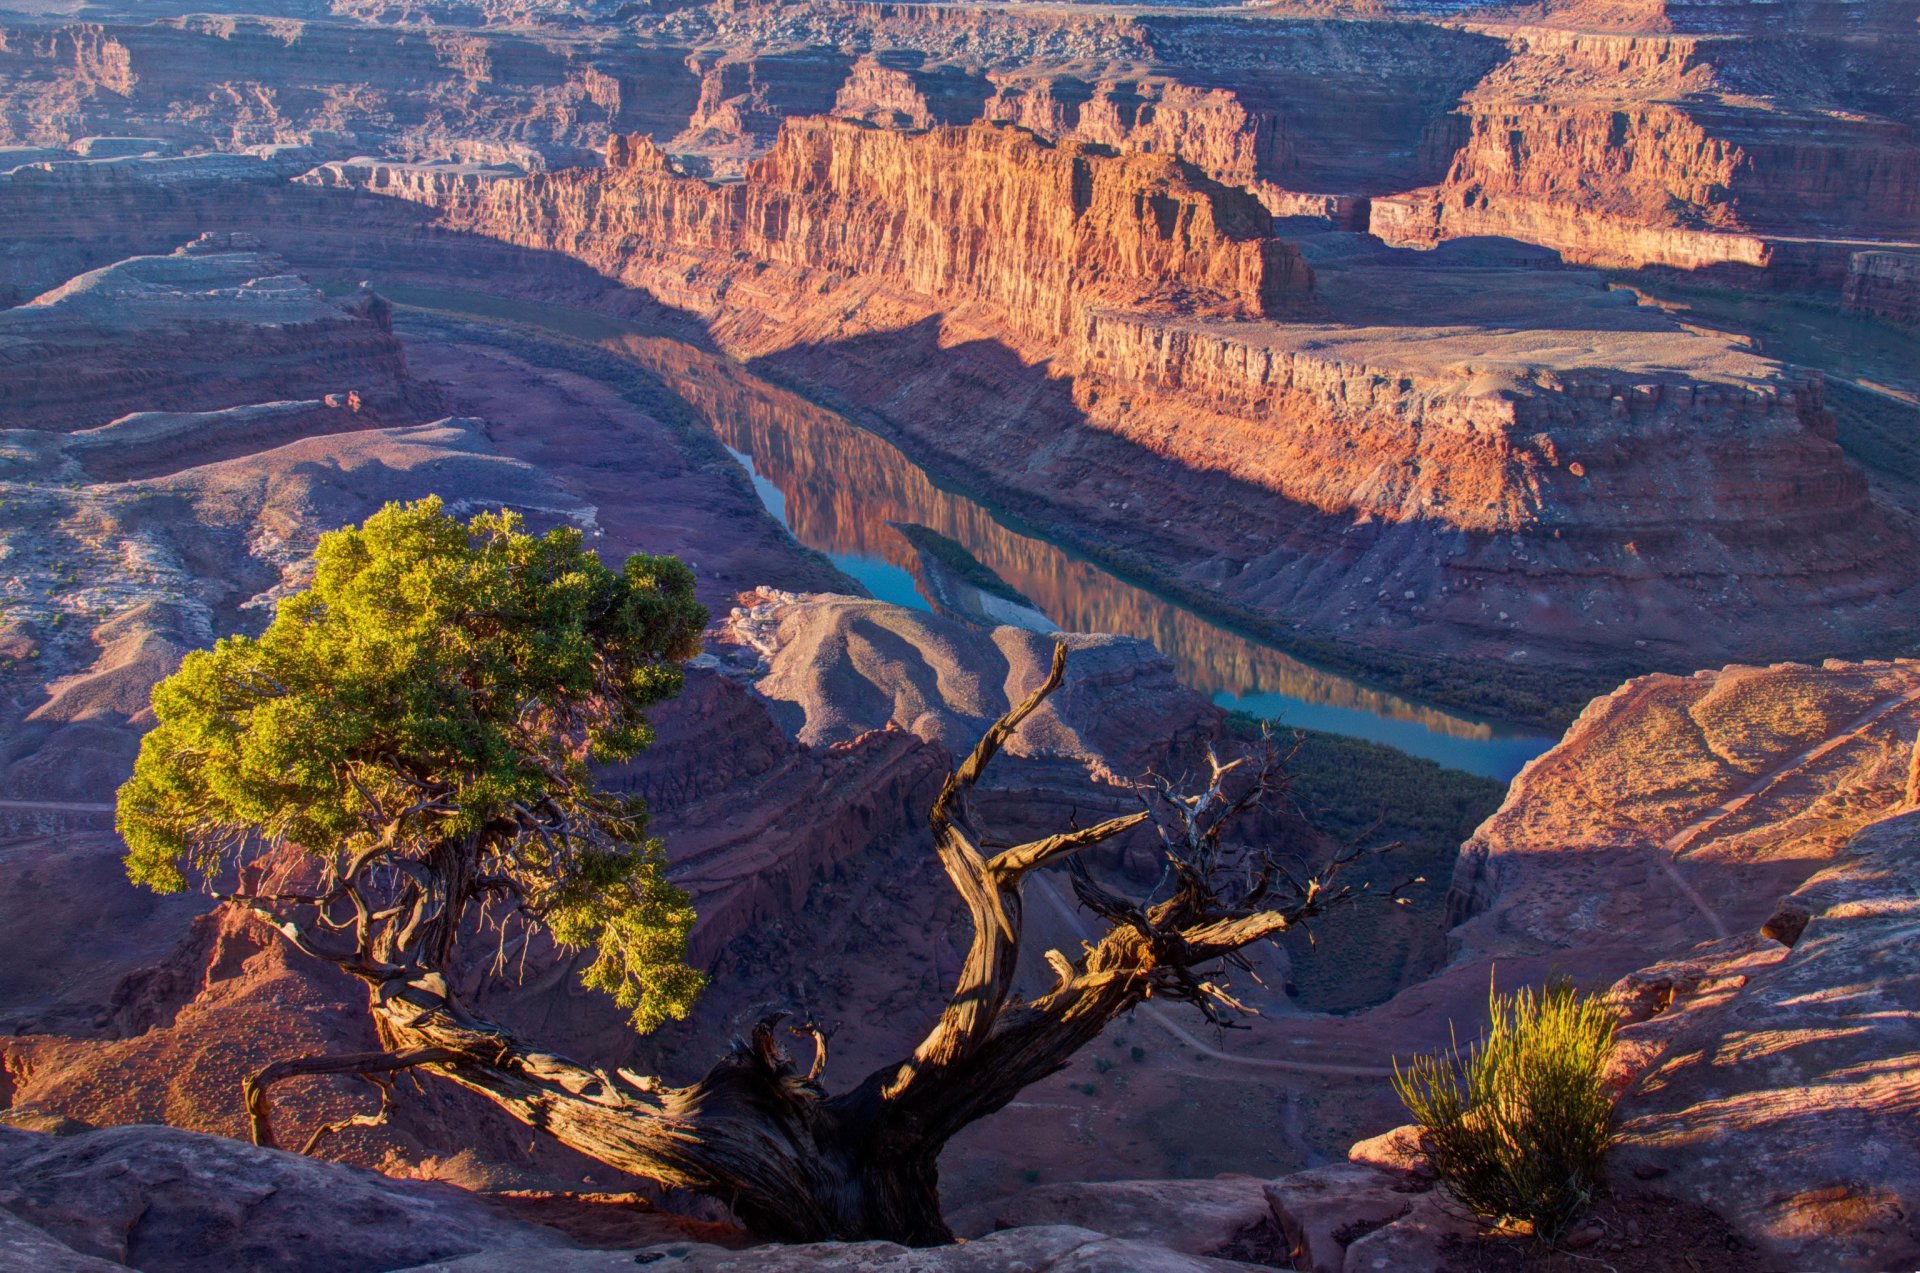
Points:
(1089, 313)
(1673, 134)
(166, 333)
(839, 666)
(1691, 151)
(1088, 230)
(230, 81)
(1778, 1082)
(1045, 1249)
(1747, 831)
(1885, 285)
(1224, 1218)
(140, 539)
(1120, 371)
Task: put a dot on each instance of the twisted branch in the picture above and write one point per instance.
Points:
(364, 1064)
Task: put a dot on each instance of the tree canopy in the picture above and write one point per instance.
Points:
(434, 700)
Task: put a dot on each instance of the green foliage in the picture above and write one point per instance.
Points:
(1361, 792)
(1517, 1126)
(441, 685)
(1353, 788)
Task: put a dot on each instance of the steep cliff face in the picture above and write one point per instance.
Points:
(1677, 150)
(1255, 104)
(1090, 331)
(900, 90)
(1623, 134)
(743, 100)
(985, 215)
(1885, 285)
(1212, 129)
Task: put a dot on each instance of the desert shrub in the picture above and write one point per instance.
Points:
(1517, 1125)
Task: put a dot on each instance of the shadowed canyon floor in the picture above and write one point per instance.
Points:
(1396, 368)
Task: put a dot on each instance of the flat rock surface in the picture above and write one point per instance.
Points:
(164, 1200)
(1782, 1085)
(1046, 1249)
(1227, 1217)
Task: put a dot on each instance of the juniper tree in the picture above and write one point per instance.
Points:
(423, 722)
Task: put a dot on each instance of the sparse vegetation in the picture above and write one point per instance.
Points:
(1517, 1125)
(960, 563)
(1351, 790)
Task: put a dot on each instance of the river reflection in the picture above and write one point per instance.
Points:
(844, 491)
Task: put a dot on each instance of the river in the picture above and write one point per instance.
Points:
(847, 492)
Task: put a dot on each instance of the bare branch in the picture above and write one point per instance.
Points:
(254, 1090)
(1034, 854)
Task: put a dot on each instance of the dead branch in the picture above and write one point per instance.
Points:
(254, 1089)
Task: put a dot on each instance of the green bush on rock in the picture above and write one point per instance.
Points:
(1518, 1125)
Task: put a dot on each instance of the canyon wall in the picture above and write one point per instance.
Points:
(231, 81)
(976, 215)
(1884, 285)
(188, 332)
(1629, 134)
(1093, 331)
(1678, 150)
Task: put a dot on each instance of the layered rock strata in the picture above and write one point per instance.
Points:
(1468, 474)
(231, 81)
(1683, 151)
(1885, 285)
(1728, 858)
(193, 331)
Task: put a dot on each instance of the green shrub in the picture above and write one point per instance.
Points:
(1517, 1126)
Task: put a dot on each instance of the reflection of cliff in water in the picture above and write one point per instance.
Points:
(843, 487)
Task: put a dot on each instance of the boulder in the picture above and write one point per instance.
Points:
(162, 1199)
(1400, 1150)
(1324, 1211)
(1418, 1241)
(1227, 1217)
(24, 1247)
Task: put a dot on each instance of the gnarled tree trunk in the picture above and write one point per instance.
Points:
(794, 1162)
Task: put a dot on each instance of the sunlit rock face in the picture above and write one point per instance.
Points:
(1117, 335)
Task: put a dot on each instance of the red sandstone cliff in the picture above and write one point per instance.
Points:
(1679, 150)
(975, 215)
(1075, 319)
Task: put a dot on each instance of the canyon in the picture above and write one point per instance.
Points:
(1460, 376)
(1481, 477)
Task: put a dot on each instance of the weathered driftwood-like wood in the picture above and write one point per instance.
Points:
(792, 1160)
